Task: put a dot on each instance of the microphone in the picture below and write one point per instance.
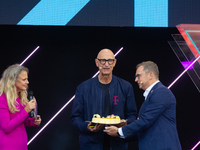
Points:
(30, 97)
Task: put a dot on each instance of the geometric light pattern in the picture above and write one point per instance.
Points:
(191, 34)
(187, 48)
(184, 71)
(186, 64)
(57, 12)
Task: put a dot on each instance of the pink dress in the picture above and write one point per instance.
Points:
(13, 134)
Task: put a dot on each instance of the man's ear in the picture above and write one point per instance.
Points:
(114, 62)
(151, 75)
(96, 62)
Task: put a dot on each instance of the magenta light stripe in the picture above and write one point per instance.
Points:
(186, 64)
(62, 109)
(118, 51)
(30, 55)
(183, 72)
(195, 145)
(96, 74)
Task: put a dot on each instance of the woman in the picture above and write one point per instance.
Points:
(15, 109)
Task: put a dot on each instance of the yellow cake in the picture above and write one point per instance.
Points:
(96, 118)
(110, 119)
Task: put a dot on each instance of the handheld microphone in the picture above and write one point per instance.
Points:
(30, 97)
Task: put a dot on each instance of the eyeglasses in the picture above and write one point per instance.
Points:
(103, 61)
(138, 76)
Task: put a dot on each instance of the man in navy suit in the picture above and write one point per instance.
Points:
(156, 123)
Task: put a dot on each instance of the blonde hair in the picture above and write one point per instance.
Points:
(7, 86)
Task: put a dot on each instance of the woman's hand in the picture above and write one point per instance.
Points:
(30, 105)
(38, 121)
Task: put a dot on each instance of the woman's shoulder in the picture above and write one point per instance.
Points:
(3, 100)
(3, 97)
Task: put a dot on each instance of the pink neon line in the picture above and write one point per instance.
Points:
(118, 51)
(50, 120)
(61, 110)
(195, 145)
(177, 79)
(183, 72)
(96, 74)
(30, 55)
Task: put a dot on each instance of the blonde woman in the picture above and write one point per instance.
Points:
(15, 109)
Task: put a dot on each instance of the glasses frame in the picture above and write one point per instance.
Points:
(138, 76)
(106, 60)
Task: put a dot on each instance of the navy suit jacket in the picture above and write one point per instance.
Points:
(156, 123)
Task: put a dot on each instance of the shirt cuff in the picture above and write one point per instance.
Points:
(119, 130)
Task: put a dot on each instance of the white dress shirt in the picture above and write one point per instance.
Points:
(146, 92)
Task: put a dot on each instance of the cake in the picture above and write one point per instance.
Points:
(110, 119)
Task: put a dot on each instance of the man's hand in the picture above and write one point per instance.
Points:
(121, 124)
(112, 130)
(96, 128)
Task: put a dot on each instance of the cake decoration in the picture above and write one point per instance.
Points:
(110, 119)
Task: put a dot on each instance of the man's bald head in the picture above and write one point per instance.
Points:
(106, 53)
(105, 61)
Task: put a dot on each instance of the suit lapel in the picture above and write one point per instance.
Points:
(145, 103)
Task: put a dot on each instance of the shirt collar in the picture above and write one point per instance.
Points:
(146, 92)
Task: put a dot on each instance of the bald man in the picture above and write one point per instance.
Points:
(105, 94)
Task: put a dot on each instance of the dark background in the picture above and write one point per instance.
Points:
(66, 58)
